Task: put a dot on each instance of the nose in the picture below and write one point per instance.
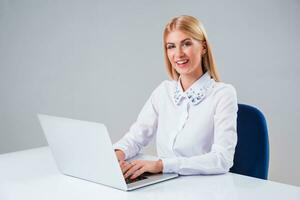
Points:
(179, 52)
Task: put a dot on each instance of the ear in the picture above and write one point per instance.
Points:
(204, 46)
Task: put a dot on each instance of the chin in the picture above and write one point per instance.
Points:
(184, 71)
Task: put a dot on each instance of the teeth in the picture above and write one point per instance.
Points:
(181, 61)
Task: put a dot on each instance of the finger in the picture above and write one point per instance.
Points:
(126, 167)
(122, 165)
(132, 170)
(121, 162)
(138, 173)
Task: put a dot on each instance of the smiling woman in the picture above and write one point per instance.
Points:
(193, 115)
(192, 41)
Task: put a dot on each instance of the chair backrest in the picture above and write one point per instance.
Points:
(252, 151)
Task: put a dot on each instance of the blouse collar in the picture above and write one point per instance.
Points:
(196, 92)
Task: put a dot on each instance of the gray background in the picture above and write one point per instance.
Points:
(100, 60)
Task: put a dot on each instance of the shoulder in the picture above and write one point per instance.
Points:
(224, 92)
(162, 93)
(221, 89)
(165, 87)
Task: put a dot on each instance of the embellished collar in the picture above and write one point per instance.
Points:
(196, 92)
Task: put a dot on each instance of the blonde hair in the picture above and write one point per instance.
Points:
(194, 28)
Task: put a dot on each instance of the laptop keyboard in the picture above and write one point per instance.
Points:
(139, 178)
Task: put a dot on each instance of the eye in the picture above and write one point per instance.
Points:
(187, 43)
(170, 46)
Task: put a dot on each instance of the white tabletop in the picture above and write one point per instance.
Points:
(32, 174)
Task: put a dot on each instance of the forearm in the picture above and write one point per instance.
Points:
(214, 162)
(128, 146)
(140, 133)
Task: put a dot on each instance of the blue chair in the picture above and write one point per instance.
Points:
(252, 151)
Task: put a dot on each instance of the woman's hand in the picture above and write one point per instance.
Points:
(120, 155)
(137, 167)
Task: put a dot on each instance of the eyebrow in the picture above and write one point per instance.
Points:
(182, 41)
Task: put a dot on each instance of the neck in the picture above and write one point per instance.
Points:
(187, 80)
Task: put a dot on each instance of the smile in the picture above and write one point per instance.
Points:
(182, 63)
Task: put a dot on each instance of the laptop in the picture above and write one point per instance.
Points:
(84, 150)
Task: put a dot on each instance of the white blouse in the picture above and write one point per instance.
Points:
(195, 130)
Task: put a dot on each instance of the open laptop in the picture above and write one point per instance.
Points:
(84, 150)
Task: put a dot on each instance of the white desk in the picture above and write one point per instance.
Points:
(32, 174)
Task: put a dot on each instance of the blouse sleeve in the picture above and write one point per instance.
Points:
(142, 131)
(220, 158)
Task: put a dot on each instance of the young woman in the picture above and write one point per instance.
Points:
(193, 115)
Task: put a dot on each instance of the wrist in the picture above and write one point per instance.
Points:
(159, 165)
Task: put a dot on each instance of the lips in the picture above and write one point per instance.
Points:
(182, 62)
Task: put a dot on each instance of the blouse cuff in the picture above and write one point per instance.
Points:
(170, 165)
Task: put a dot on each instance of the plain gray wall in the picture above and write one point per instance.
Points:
(100, 60)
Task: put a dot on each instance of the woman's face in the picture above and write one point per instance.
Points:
(185, 53)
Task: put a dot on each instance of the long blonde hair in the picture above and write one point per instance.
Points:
(194, 28)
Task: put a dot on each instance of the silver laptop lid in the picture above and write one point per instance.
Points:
(83, 149)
